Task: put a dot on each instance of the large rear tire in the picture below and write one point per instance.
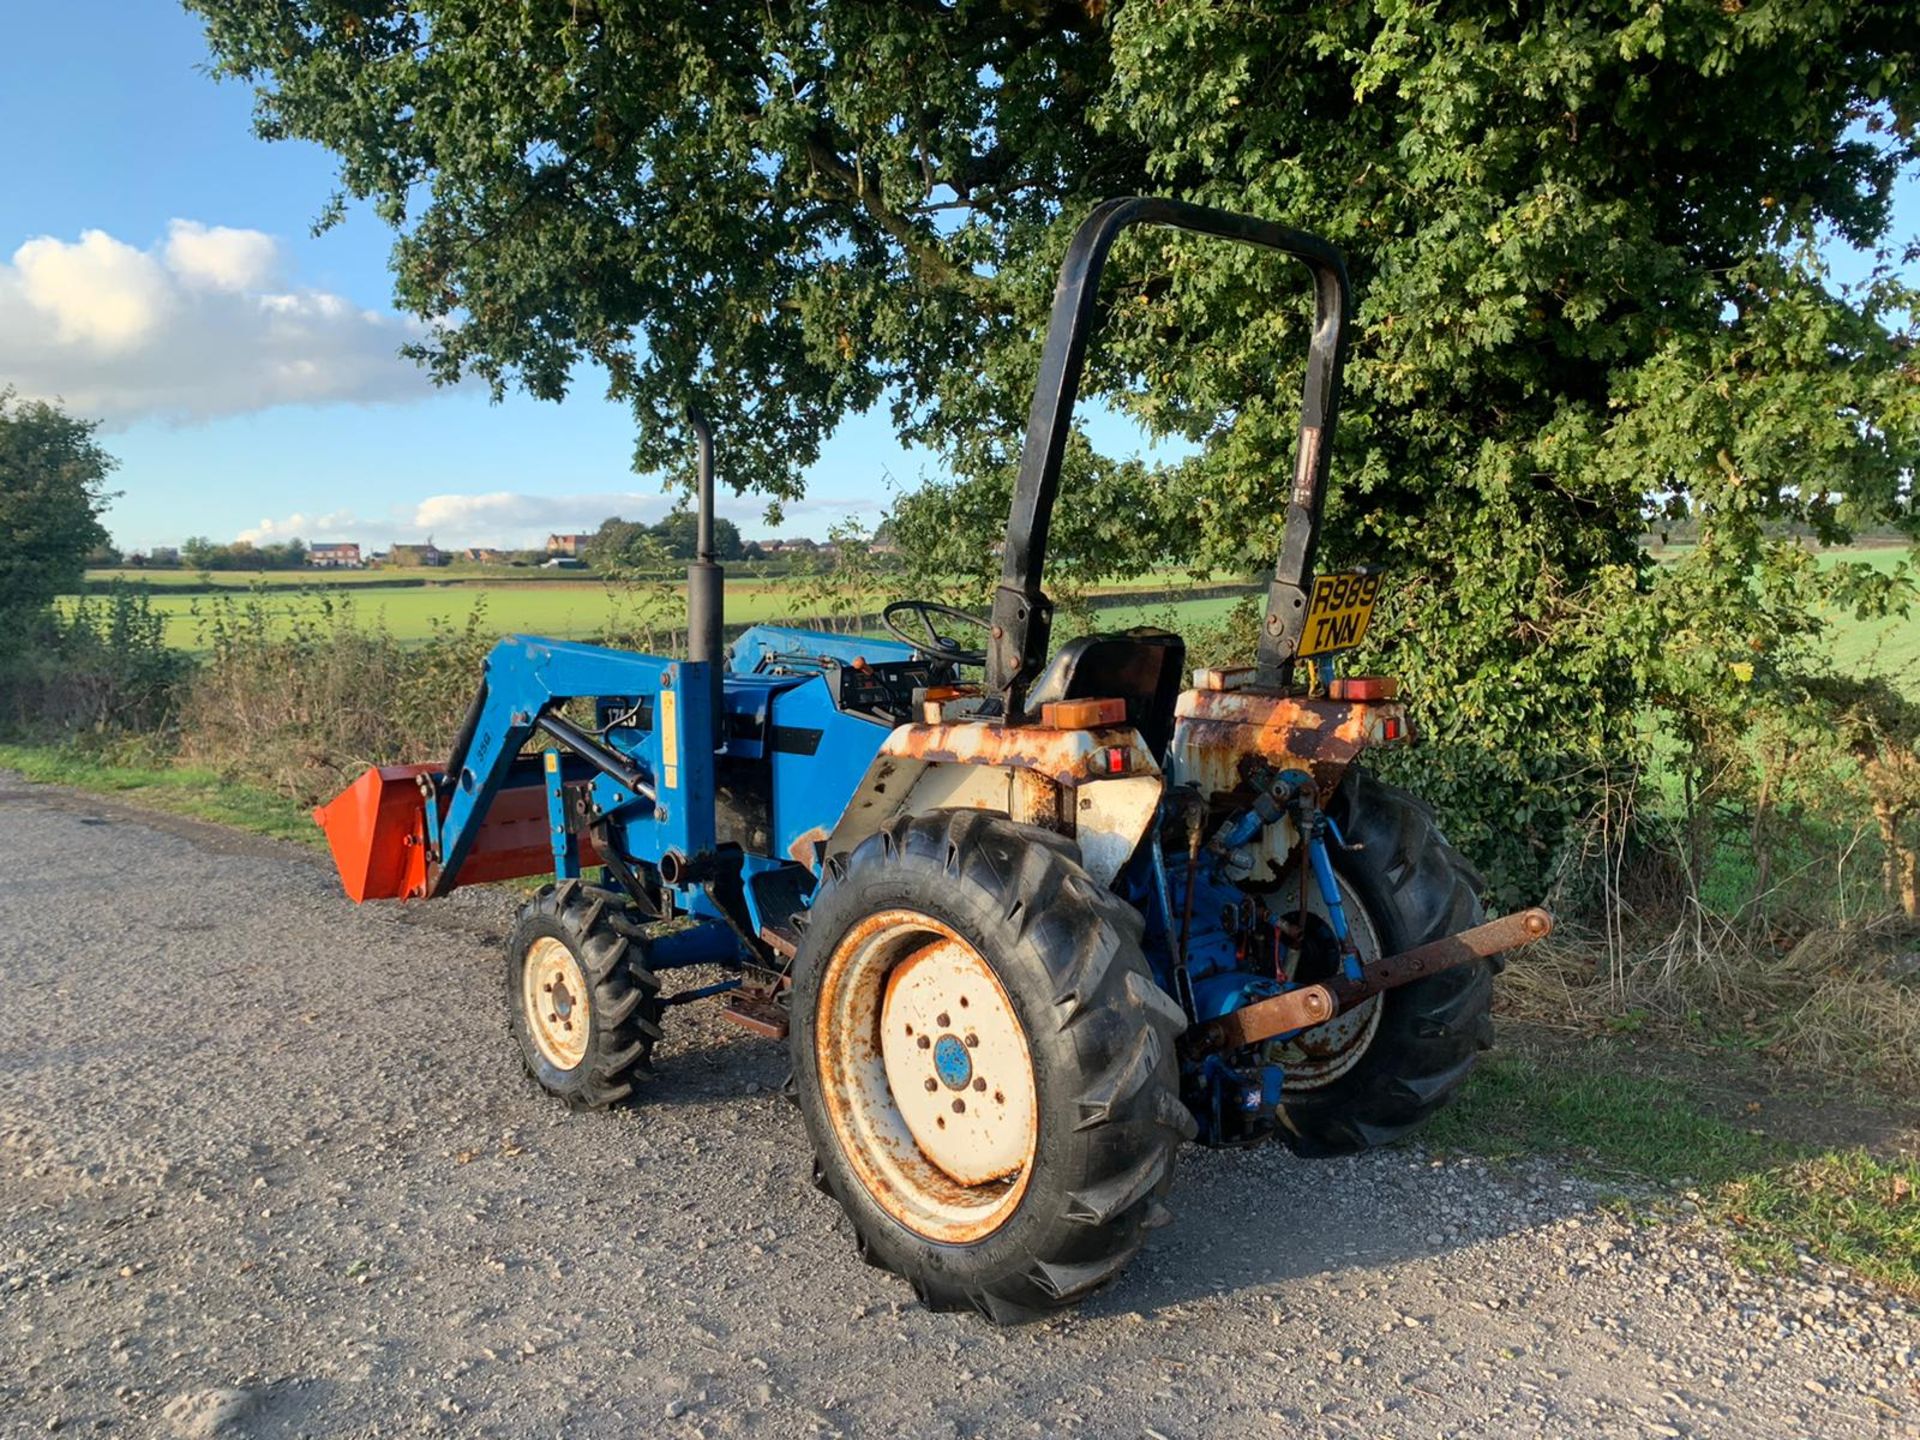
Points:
(984, 1063)
(1414, 887)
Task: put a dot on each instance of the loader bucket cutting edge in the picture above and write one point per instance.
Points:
(375, 829)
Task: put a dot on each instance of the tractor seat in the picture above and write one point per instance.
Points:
(1143, 666)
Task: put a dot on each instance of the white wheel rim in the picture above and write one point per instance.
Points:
(554, 995)
(1320, 1056)
(927, 1076)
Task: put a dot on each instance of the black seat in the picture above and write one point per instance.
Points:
(1144, 666)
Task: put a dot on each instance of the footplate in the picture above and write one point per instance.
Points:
(756, 1014)
(1312, 1004)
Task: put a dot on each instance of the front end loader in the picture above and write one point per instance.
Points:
(1027, 919)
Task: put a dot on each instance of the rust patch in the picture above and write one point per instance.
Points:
(1034, 799)
(802, 848)
(1064, 756)
(1219, 733)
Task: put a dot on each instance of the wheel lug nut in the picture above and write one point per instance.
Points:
(941, 1020)
(925, 1043)
(979, 1084)
(959, 1107)
(973, 1042)
(932, 1084)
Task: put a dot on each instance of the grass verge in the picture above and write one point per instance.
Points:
(182, 790)
(1845, 1206)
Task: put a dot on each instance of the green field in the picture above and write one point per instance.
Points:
(240, 581)
(1889, 648)
(578, 606)
(567, 609)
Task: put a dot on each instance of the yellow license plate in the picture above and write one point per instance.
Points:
(1341, 610)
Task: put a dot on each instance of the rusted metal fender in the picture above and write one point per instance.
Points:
(1313, 1004)
(1101, 786)
(1067, 757)
(1217, 734)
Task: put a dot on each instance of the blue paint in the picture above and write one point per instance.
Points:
(566, 849)
(1336, 910)
(763, 646)
(952, 1063)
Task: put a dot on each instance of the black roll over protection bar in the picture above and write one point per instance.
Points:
(1022, 620)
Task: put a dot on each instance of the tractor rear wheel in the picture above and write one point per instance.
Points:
(1371, 1077)
(581, 1002)
(985, 1064)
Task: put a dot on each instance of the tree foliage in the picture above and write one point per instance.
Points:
(201, 553)
(630, 546)
(53, 477)
(1582, 238)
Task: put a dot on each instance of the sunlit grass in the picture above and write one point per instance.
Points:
(1844, 1205)
(182, 790)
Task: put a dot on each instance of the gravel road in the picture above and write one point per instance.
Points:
(268, 1167)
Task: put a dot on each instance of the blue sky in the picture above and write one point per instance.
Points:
(125, 134)
(246, 367)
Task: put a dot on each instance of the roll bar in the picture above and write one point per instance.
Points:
(1022, 615)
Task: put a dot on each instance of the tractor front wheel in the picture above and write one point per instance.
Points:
(985, 1064)
(580, 1000)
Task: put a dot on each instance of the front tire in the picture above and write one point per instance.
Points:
(1427, 1036)
(984, 1063)
(581, 1003)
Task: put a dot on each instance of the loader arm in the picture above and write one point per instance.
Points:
(666, 784)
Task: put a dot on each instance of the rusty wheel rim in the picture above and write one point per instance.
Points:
(553, 993)
(1320, 1056)
(927, 1077)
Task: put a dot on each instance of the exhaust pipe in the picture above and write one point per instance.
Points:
(706, 612)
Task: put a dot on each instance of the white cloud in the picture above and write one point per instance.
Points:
(190, 330)
(517, 520)
(303, 527)
(96, 295)
(506, 517)
(220, 257)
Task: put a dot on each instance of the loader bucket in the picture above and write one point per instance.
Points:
(376, 828)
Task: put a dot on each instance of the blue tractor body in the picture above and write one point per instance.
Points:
(1081, 909)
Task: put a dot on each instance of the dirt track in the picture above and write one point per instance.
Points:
(267, 1167)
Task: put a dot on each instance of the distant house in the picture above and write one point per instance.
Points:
(427, 554)
(568, 545)
(163, 555)
(485, 555)
(334, 555)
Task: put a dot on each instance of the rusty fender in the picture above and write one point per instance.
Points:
(1312, 1004)
(1218, 734)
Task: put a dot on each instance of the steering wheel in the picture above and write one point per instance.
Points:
(934, 646)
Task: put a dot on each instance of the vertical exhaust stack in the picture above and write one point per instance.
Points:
(706, 607)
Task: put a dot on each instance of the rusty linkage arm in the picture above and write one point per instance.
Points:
(1313, 1004)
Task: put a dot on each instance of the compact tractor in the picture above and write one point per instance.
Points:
(1026, 922)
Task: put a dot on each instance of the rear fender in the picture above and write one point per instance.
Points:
(1100, 787)
(1220, 735)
